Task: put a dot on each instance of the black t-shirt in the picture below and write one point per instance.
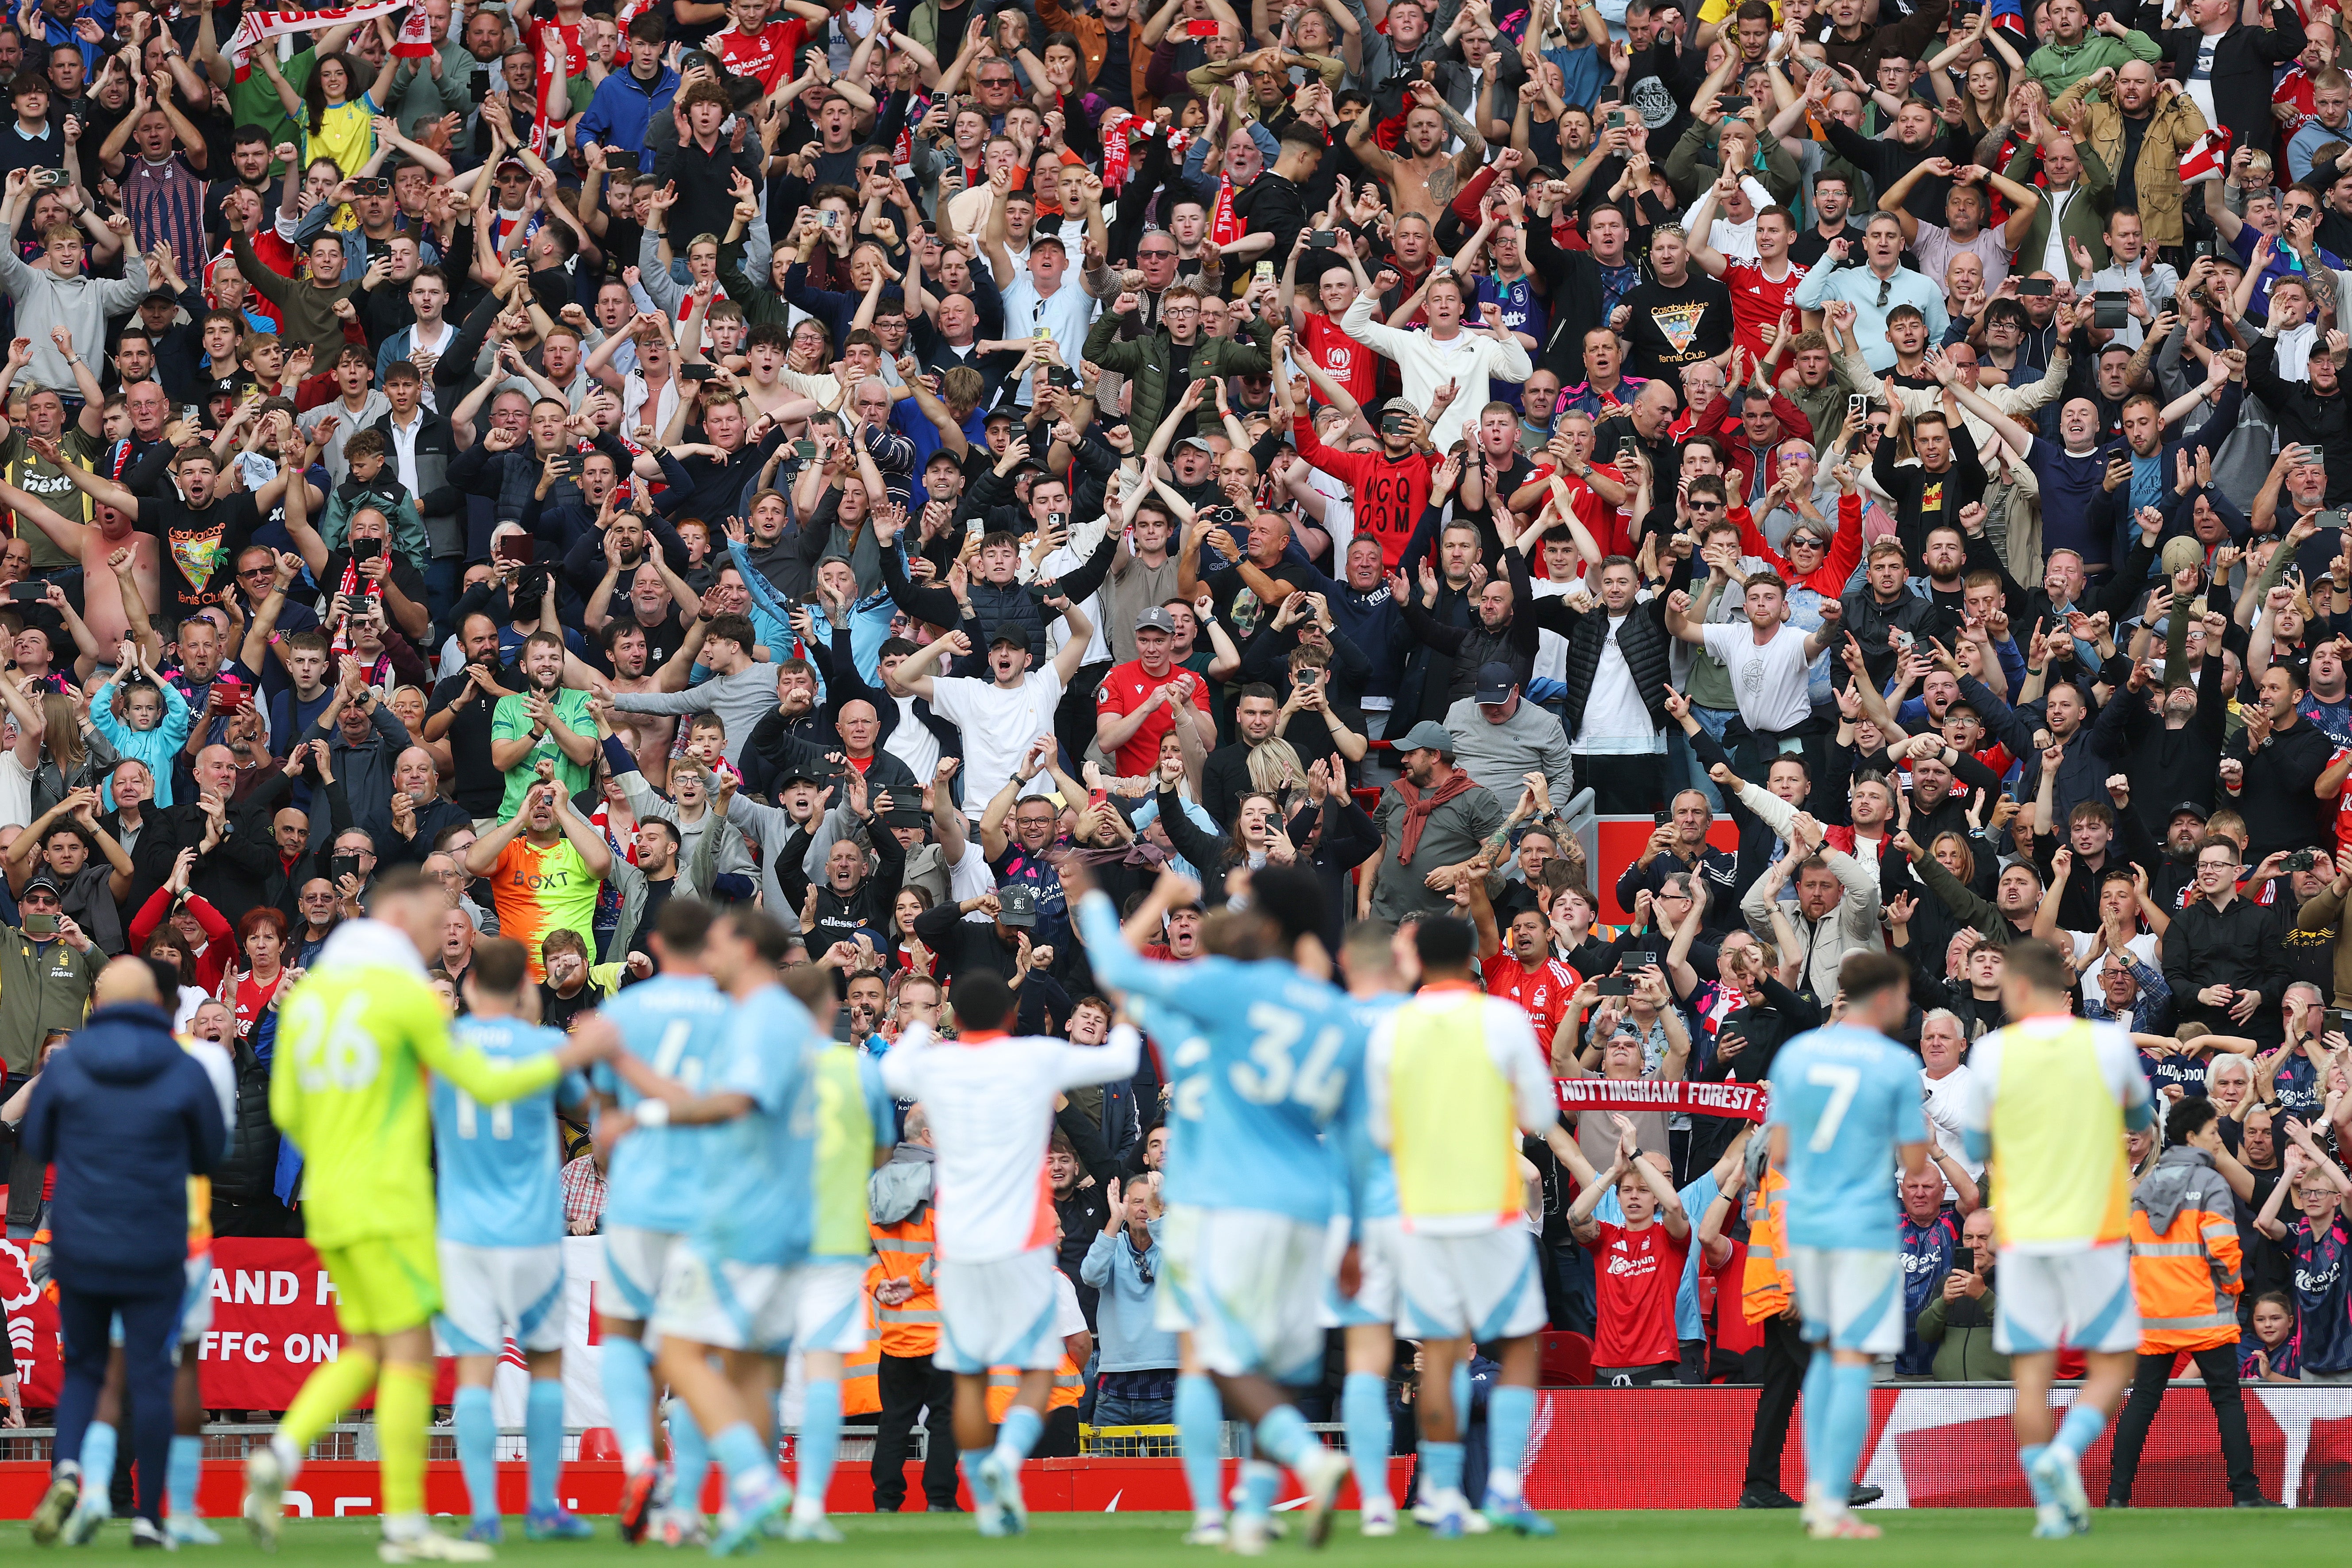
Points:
(623, 236)
(404, 577)
(1671, 328)
(1272, 204)
(556, 1010)
(200, 549)
(1810, 247)
(479, 786)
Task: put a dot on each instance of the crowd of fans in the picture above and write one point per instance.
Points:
(853, 460)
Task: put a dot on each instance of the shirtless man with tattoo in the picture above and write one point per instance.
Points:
(1426, 180)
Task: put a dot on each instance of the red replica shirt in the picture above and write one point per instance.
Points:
(1757, 302)
(1341, 358)
(1636, 1274)
(1127, 688)
(766, 55)
(1541, 991)
(541, 39)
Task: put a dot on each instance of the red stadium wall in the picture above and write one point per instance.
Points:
(1929, 1447)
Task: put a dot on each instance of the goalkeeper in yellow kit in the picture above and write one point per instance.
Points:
(348, 1087)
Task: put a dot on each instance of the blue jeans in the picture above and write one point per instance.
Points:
(1118, 1410)
(1714, 720)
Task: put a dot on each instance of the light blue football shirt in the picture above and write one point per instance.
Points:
(759, 1175)
(1848, 1098)
(677, 1024)
(500, 1166)
(1266, 1071)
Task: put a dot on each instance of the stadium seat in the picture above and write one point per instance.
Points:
(598, 1443)
(1567, 1360)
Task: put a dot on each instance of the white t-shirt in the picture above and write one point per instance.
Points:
(912, 741)
(2141, 947)
(15, 791)
(1942, 1099)
(998, 724)
(1064, 317)
(1770, 682)
(1615, 718)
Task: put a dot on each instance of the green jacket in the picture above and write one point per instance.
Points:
(762, 304)
(43, 988)
(1148, 359)
(2085, 215)
(1961, 1332)
(1695, 163)
(2057, 67)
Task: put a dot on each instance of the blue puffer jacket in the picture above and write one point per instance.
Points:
(126, 1117)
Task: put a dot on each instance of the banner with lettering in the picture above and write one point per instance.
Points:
(274, 1320)
(1744, 1100)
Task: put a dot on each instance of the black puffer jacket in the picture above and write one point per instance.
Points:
(249, 1169)
(1642, 639)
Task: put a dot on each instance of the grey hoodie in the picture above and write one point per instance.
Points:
(2182, 1173)
(902, 1185)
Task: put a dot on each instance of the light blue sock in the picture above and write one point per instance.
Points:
(1816, 1415)
(969, 1463)
(542, 1424)
(1200, 1417)
(628, 1374)
(2025, 1457)
(820, 1441)
(1283, 1436)
(187, 1466)
(1364, 1410)
(98, 1440)
(2080, 1429)
(1846, 1430)
(477, 1450)
(691, 1456)
(1509, 1413)
(1018, 1433)
(750, 1465)
(1259, 1480)
(1460, 1383)
(1441, 1470)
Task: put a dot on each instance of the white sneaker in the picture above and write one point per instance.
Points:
(2054, 1467)
(431, 1546)
(189, 1530)
(92, 1510)
(264, 1497)
(1207, 1531)
(1323, 1473)
(1378, 1519)
(1247, 1536)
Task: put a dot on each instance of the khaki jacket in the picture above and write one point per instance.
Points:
(2174, 126)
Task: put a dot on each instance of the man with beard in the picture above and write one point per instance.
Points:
(462, 711)
(545, 722)
(546, 864)
(1426, 178)
(1433, 821)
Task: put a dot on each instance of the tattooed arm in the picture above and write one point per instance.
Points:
(1443, 181)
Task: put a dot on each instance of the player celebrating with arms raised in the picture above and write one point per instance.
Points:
(1249, 1178)
(2048, 1101)
(352, 1040)
(1845, 1105)
(1455, 1075)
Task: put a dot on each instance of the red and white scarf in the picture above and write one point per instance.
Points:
(259, 25)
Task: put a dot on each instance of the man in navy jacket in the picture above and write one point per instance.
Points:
(125, 1116)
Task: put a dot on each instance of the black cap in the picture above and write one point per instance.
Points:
(1007, 631)
(1496, 682)
(2195, 808)
(1016, 904)
(43, 883)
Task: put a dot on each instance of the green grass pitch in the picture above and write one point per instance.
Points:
(1924, 1538)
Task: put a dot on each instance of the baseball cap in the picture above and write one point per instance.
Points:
(515, 164)
(1155, 619)
(42, 884)
(1399, 405)
(1197, 441)
(1495, 682)
(161, 297)
(1427, 735)
(1007, 632)
(1016, 904)
(2191, 808)
(2182, 552)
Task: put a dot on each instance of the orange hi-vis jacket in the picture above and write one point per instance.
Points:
(861, 1391)
(1004, 1381)
(1765, 1286)
(902, 1250)
(2184, 1243)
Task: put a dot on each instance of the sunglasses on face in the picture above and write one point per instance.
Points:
(1804, 541)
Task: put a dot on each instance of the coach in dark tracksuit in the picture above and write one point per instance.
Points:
(125, 1116)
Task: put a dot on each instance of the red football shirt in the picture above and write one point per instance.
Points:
(1757, 302)
(1341, 357)
(1635, 1274)
(1125, 689)
(1542, 991)
(766, 55)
